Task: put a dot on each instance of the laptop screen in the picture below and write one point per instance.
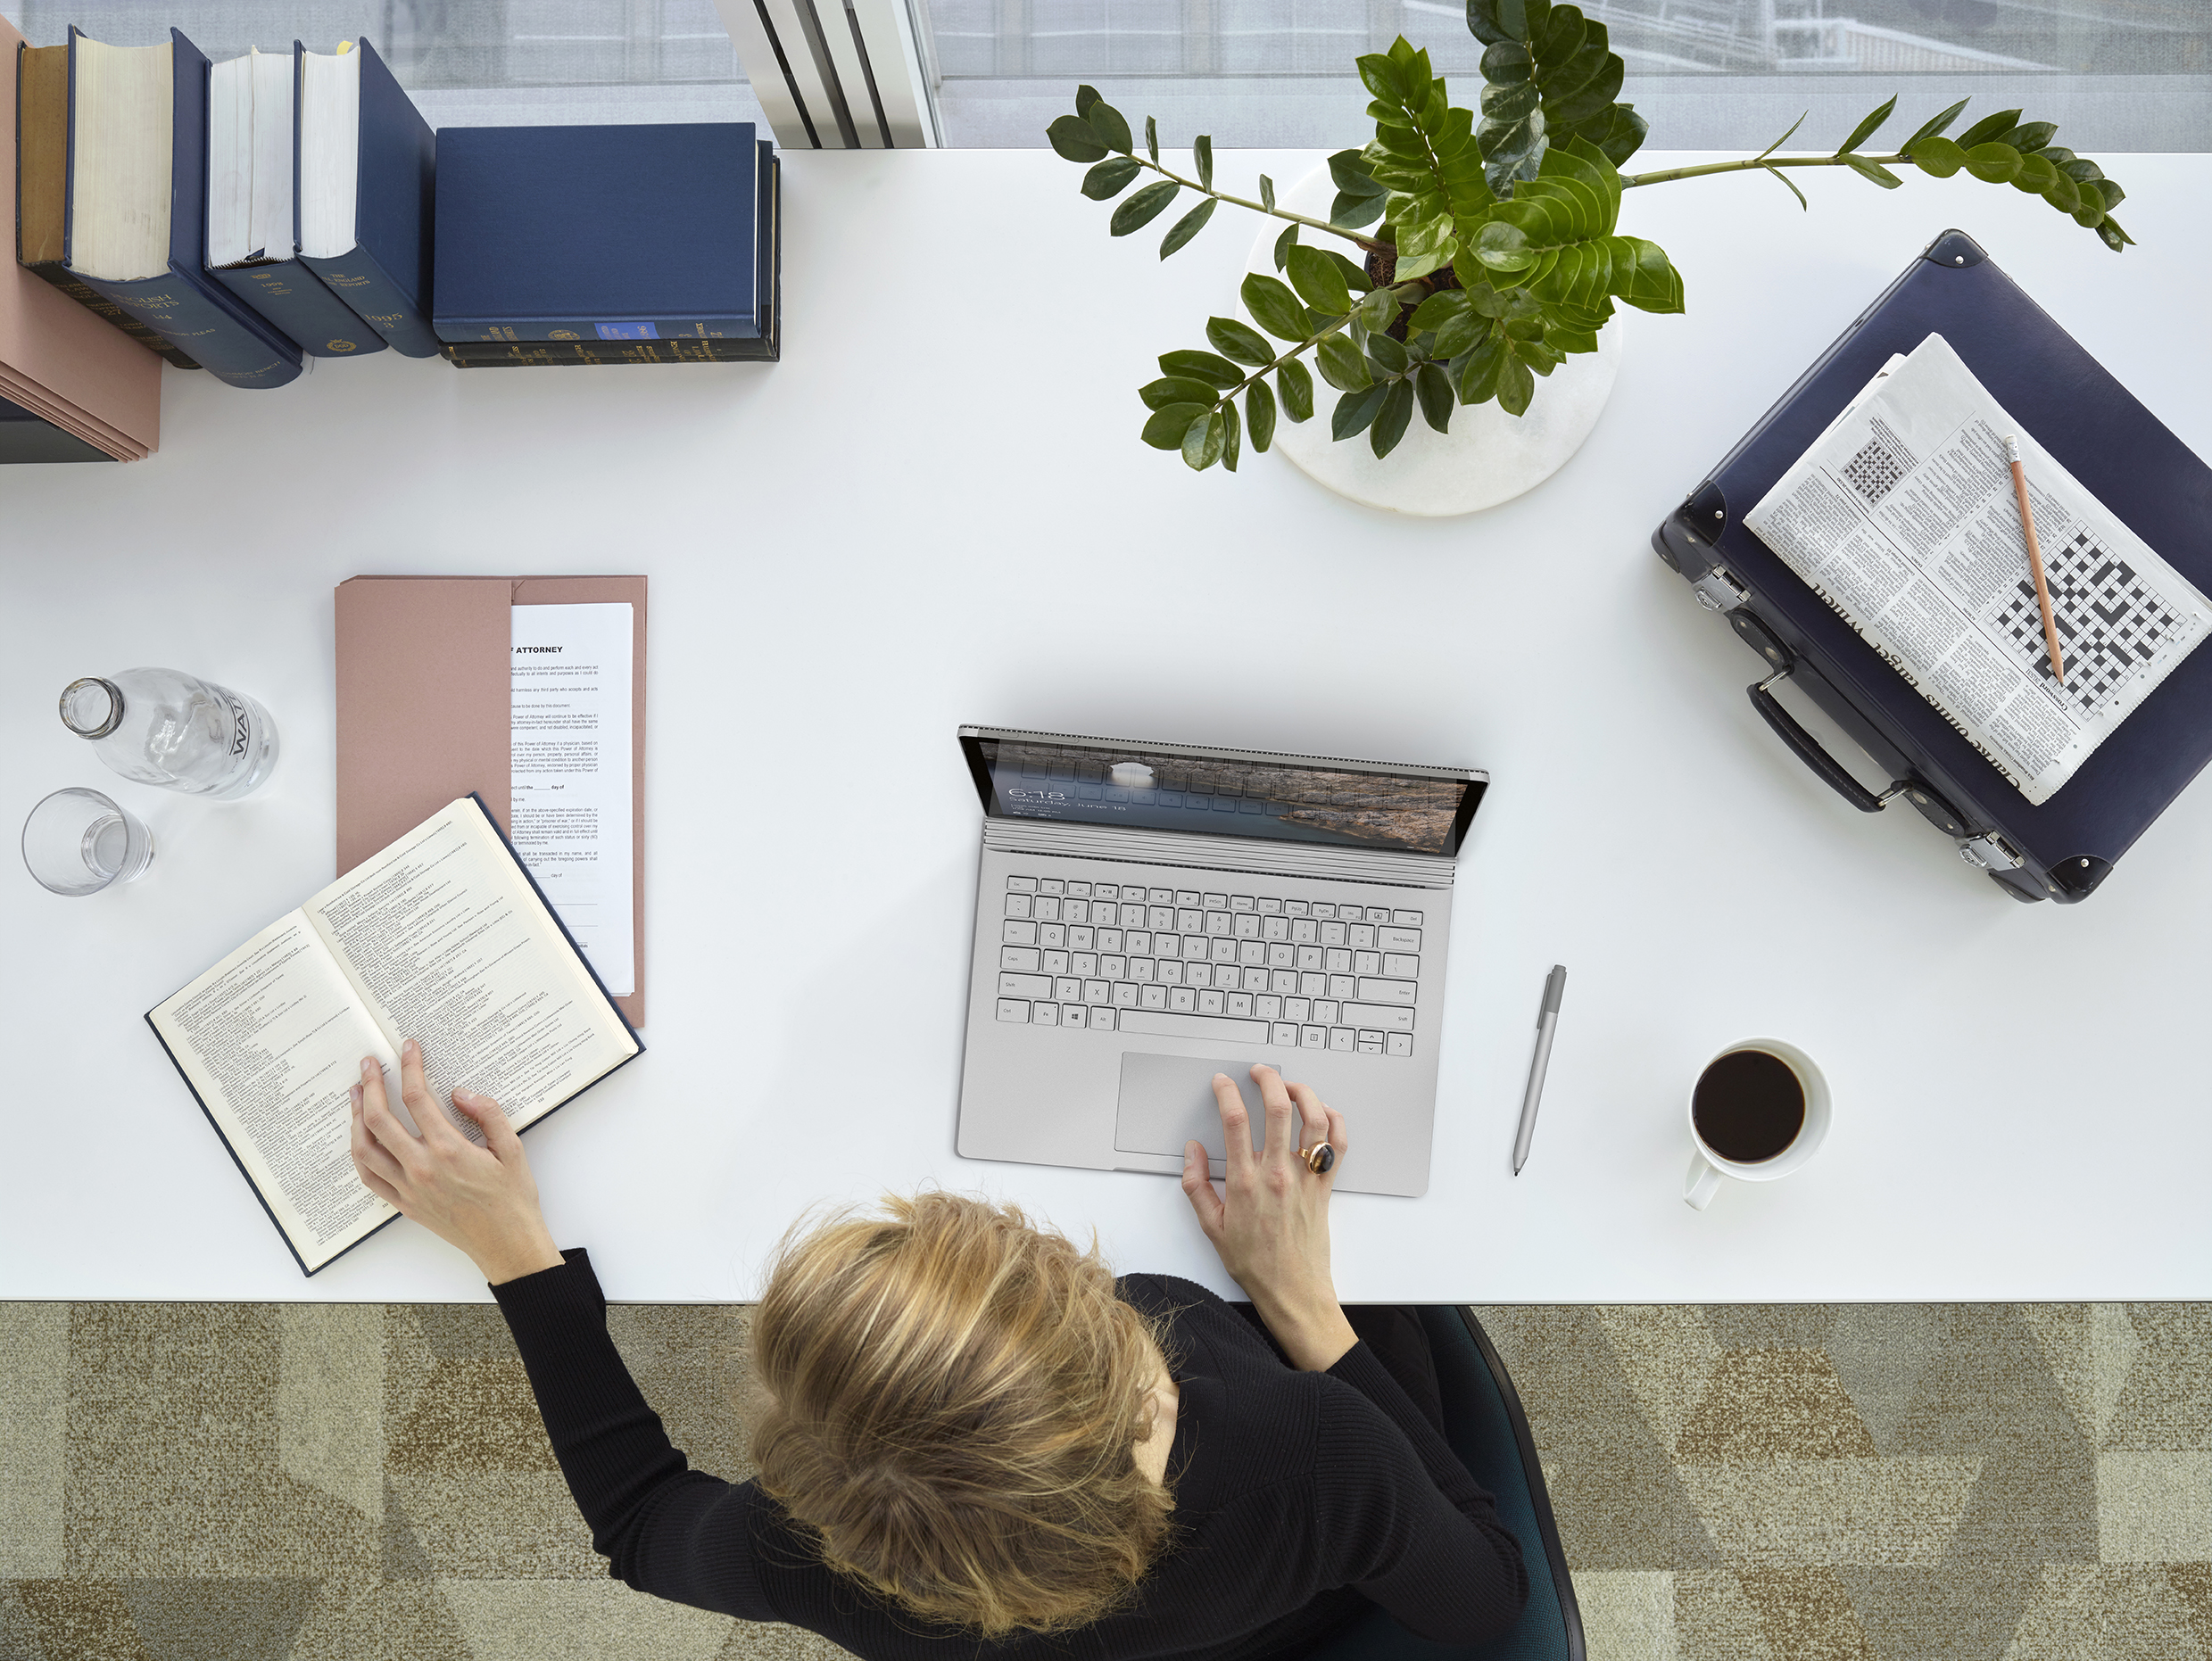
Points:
(1142, 787)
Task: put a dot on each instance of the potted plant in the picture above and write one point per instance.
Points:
(1494, 253)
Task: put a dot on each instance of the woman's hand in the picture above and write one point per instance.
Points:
(483, 1200)
(1272, 1229)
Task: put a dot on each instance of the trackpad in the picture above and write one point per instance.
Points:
(1168, 1100)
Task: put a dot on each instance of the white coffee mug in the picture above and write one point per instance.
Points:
(1707, 1167)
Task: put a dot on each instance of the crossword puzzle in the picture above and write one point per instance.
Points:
(1874, 471)
(2110, 623)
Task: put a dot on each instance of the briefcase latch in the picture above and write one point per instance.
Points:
(1716, 591)
(1990, 852)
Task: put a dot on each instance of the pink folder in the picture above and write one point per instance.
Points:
(423, 708)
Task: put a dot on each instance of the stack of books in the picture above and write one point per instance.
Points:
(234, 217)
(607, 244)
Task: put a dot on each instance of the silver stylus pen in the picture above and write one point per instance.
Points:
(1548, 1023)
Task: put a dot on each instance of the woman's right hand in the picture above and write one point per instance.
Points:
(1272, 1226)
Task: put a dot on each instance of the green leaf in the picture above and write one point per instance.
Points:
(1785, 139)
(1140, 210)
(1284, 243)
(1380, 77)
(1267, 201)
(2062, 193)
(1152, 139)
(2108, 230)
(1086, 98)
(1203, 440)
(1938, 157)
(1259, 414)
(1789, 184)
(1188, 226)
(1342, 365)
(1387, 355)
(1166, 429)
(1434, 389)
(1398, 409)
(2036, 175)
(1176, 388)
(1202, 152)
(1995, 163)
(1354, 411)
(1073, 138)
(1104, 182)
(1378, 311)
(1349, 170)
(1349, 214)
(1438, 309)
(1988, 127)
(1232, 339)
(1315, 274)
(1515, 386)
(1231, 431)
(1873, 171)
(1201, 365)
(1500, 246)
(1273, 307)
(1478, 371)
(1930, 128)
(2030, 135)
(1297, 391)
(1112, 131)
(1866, 129)
(1620, 134)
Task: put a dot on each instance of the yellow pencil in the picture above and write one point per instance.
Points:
(2035, 559)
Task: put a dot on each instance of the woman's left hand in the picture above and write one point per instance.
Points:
(483, 1200)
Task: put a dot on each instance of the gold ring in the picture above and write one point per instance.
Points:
(1320, 1158)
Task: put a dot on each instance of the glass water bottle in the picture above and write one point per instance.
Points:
(159, 726)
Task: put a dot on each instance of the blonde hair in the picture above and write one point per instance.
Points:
(954, 1399)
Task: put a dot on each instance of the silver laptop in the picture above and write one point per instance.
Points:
(1150, 914)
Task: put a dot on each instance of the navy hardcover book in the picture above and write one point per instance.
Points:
(184, 304)
(384, 274)
(599, 233)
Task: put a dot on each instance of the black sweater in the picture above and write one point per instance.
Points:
(1299, 1498)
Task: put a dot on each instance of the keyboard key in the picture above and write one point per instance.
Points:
(1186, 897)
(1213, 1003)
(1151, 997)
(1045, 909)
(1341, 1040)
(1239, 1002)
(1165, 1024)
(1013, 1009)
(1053, 935)
(1182, 1000)
(1375, 990)
(1282, 956)
(1139, 942)
(1160, 896)
(1401, 963)
(1274, 928)
(1110, 940)
(1073, 1015)
(1363, 936)
(1222, 951)
(1272, 907)
(1245, 926)
(1321, 908)
(1217, 901)
(1367, 962)
(1080, 939)
(1297, 1009)
(1023, 986)
(1283, 1032)
(1332, 934)
(1297, 908)
(1217, 922)
(1255, 978)
(1315, 1038)
(1336, 960)
(1083, 965)
(1101, 1018)
(1045, 1016)
(1240, 901)
(1131, 896)
(1312, 985)
(1019, 957)
(1342, 985)
(1326, 1013)
(1017, 933)
(1371, 1043)
(1159, 917)
(1190, 921)
(1020, 885)
(1398, 940)
(1052, 885)
(1283, 981)
(1397, 1043)
(1375, 914)
(1075, 910)
(1309, 956)
(1305, 932)
(1409, 920)
(1080, 890)
(1018, 905)
(1140, 969)
(1379, 1015)
(1267, 1008)
(1098, 992)
(1168, 972)
(1126, 993)
(1068, 989)
(1251, 952)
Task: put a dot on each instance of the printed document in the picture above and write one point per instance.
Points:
(571, 774)
(1903, 517)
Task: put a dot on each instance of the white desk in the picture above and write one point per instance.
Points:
(936, 510)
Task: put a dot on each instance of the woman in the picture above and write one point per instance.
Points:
(973, 1438)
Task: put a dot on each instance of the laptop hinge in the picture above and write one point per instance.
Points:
(1319, 861)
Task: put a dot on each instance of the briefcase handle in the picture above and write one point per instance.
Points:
(1809, 750)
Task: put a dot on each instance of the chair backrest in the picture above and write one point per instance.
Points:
(1484, 1424)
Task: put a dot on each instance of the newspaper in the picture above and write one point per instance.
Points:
(1902, 516)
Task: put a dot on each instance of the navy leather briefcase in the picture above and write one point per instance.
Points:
(2064, 849)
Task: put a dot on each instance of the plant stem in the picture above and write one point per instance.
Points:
(1756, 162)
(1261, 207)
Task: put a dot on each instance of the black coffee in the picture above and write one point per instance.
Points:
(1748, 1106)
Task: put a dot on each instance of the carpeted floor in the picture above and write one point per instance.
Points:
(341, 1482)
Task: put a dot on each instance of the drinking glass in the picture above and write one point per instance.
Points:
(79, 842)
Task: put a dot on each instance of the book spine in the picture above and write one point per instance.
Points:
(189, 321)
(466, 331)
(297, 306)
(364, 285)
(57, 274)
(487, 355)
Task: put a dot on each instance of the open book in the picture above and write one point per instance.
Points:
(441, 937)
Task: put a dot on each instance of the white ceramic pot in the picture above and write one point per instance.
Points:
(1488, 457)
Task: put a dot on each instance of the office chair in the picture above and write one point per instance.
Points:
(1484, 1424)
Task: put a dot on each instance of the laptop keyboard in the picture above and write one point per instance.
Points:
(1257, 968)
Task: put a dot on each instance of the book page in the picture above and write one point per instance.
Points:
(272, 1039)
(571, 776)
(1903, 517)
(445, 942)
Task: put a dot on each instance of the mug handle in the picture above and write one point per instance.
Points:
(1702, 1182)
